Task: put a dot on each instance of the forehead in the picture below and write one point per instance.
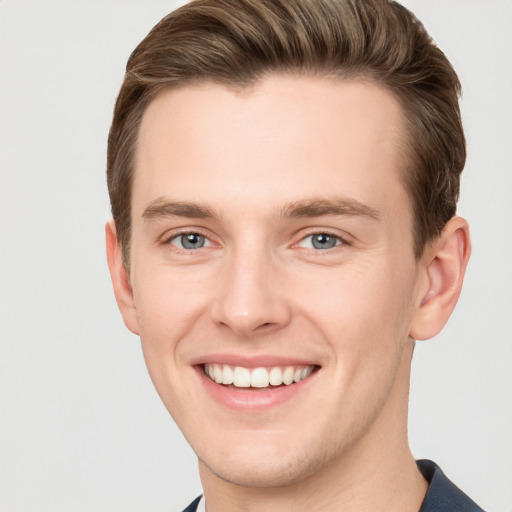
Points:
(280, 140)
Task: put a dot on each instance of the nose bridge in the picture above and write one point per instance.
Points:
(250, 297)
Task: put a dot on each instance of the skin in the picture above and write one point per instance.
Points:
(248, 161)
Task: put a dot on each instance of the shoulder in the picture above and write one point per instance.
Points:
(442, 494)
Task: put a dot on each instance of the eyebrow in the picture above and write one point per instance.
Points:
(308, 208)
(318, 207)
(160, 208)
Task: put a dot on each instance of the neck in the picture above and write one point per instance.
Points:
(378, 473)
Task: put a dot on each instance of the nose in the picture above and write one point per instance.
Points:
(252, 298)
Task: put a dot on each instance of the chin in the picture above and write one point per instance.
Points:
(263, 473)
(269, 466)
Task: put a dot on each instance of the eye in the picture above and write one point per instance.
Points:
(190, 241)
(320, 241)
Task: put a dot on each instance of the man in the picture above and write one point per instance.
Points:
(283, 178)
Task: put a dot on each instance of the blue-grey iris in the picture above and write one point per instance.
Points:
(192, 241)
(323, 241)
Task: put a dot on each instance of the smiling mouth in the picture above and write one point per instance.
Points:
(260, 378)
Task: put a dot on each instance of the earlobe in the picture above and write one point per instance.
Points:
(120, 278)
(443, 267)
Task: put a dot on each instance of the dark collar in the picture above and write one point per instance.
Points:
(193, 506)
(443, 495)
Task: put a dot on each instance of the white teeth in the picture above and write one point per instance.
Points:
(217, 374)
(241, 377)
(261, 377)
(288, 375)
(276, 376)
(227, 375)
(306, 372)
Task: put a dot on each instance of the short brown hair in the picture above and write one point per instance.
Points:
(238, 42)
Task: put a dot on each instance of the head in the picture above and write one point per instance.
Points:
(283, 178)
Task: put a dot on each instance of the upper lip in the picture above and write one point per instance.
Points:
(253, 361)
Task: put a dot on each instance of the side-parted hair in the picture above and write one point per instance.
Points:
(236, 43)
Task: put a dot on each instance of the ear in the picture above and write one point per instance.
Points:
(120, 278)
(443, 268)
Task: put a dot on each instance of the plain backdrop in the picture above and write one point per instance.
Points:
(82, 428)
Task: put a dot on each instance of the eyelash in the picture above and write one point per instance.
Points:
(340, 241)
(167, 240)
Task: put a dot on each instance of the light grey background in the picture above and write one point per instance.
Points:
(81, 427)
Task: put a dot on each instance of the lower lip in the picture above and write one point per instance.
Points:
(257, 399)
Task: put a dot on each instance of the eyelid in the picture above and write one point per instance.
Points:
(343, 239)
(207, 241)
(172, 234)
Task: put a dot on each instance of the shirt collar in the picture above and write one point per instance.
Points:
(443, 495)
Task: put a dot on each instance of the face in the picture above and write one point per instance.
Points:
(273, 273)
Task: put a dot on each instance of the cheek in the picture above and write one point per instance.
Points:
(363, 311)
(167, 301)
(166, 313)
(169, 307)
(364, 318)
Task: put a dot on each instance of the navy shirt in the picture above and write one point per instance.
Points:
(442, 495)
